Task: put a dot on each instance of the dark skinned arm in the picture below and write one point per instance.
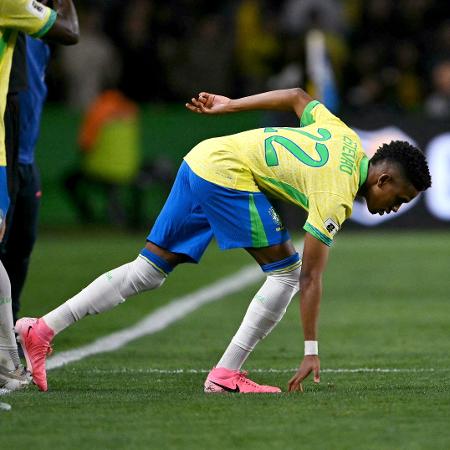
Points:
(281, 100)
(65, 30)
(315, 257)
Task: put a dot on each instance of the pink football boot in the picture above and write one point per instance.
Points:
(35, 337)
(225, 380)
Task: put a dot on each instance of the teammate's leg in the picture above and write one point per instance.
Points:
(9, 358)
(12, 374)
(22, 232)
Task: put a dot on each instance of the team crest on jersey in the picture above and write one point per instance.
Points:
(36, 9)
(331, 226)
(276, 218)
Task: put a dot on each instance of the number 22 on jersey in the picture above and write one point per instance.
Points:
(295, 149)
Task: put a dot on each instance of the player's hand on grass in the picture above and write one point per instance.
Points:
(207, 103)
(309, 364)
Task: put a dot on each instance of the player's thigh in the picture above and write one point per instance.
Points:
(181, 231)
(273, 253)
(23, 231)
(241, 219)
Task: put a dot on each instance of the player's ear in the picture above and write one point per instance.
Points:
(383, 179)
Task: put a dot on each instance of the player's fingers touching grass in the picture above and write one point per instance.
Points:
(294, 385)
(316, 376)
(309, 364)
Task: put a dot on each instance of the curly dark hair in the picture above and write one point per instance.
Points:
(411, 160)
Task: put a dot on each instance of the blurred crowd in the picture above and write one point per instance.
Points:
(384, 54)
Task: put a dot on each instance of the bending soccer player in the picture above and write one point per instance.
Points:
(221, 190)
(60, 25)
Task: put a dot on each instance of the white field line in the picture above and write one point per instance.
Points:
(163, 317)
(267, 370)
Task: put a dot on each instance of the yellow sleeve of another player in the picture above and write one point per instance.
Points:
(327, 213)
(316, 112)
(28, 16)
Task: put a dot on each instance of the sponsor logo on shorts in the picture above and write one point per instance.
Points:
(331, 226)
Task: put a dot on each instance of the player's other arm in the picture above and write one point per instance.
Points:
(314, 261)
(65, 30)
(281, 100)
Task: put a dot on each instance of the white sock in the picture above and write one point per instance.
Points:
(264, 312)
(9, 357)
(106, 292)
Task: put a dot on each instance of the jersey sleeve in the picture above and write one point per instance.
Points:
(327, 213)
(317, 112)
(29, 16)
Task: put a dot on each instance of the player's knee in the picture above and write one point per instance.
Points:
(286, 272)
(289, 278)
(142, 275)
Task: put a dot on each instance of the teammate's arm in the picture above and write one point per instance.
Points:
(281, 100)
(314, 261)
(65, 30)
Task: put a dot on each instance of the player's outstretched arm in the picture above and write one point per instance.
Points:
(314, 261)
(281, 100)
(65, 30)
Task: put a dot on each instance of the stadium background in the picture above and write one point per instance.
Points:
(384, 323)
(162, 53)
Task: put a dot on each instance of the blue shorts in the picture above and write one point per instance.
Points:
(4, 197)
(196, 210)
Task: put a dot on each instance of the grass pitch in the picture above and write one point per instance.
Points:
(385, 309)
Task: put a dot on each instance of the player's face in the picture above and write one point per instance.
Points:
(389, 193)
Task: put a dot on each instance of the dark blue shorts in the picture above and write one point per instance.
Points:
(4, 197)
(196, 210)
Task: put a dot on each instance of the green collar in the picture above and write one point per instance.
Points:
(363, 170)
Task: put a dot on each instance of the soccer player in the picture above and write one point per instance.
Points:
(59, 25)
(222, 189)
(22, 219)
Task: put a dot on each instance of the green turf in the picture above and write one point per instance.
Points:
(385, 306)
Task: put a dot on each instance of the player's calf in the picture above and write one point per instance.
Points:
(146, 272)
(266, 309)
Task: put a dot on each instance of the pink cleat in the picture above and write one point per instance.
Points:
(35, 337)
(225, 380)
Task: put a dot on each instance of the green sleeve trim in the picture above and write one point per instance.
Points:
(307, 118)
(363, 170)
(259, 238)
(290, 191)
(317, 234)
(50, 22)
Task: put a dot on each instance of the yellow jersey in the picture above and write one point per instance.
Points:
(30, 17)
(318, 166)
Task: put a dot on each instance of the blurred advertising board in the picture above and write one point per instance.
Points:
(431, 208)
